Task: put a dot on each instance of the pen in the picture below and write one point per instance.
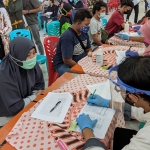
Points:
(55, 106)
(93, 93)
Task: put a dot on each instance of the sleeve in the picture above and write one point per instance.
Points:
(65, 26)
(93, 27)
(7, 24)
(67, 48)
(94, 144)
(30, 98)
(35, 3)
(118, 20)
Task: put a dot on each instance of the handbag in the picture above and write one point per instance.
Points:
(104, 35)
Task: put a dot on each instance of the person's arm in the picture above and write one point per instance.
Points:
(88, 47)
(69, 62)
(94, 32)
(7, 24)
(137, 39)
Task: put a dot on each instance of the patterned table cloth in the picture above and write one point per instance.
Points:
(115, 40)
(109, 55)
(34, 134)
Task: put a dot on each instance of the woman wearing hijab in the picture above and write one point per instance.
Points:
(21, 78)
(65, 20)
(5, 29)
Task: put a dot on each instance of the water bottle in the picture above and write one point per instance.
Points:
(99, 57)
(126, 27)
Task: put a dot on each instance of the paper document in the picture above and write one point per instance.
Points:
(120, 56)
(48, 13)
(102, 89)
(104, 117)
(48, 110)
(129, 34)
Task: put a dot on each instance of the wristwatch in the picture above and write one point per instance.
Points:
(28, 11)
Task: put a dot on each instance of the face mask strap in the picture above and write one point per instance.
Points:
(13, 59)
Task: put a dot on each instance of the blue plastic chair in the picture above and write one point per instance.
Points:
(20, 32)
(41, 59)
(53, 28)
(0, 60)
(104, 21)
(39, 20)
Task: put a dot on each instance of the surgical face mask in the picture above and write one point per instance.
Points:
(127, 12)
(102, 15)
(69, 14)
(85, 29)
(27, 64)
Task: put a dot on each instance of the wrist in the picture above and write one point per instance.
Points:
(29, 12)
(87, 133)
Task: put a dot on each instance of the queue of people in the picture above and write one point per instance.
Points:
(21, 78)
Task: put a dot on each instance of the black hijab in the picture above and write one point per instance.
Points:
(1, 4)
(15, 82)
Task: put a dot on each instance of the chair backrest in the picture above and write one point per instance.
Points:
(20, 32)
(50, 45)
(53, 28)
(104, 21)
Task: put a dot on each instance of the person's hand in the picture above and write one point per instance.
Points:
(84, 121)
(136, 27)
(25, 12)
(124, 36)
(130, 53)
(98, 100)
(39, 92)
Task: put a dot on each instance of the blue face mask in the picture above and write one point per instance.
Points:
(102, 15)
(85, 29)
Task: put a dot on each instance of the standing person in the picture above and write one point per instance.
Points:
(146, 5)
(133, 84)
(21, 77)
(96, 24)
(30, 10)
(74, 43)
(116, 23)
(136, 11)
(5, 29)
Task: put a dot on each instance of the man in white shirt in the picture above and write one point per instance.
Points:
(96, 25)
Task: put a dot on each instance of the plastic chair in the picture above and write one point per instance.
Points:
(20, 32)
(50, 44)
(104, 21)
(53, 28)
(39, 20)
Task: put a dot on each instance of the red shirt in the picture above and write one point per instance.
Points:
(114, 23)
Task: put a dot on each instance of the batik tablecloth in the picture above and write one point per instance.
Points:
(34, 134)
(90, 67)
(115, 40)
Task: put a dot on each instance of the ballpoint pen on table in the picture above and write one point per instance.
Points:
(62, 145)
(55, 106)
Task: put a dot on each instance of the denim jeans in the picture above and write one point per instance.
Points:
(62, 69)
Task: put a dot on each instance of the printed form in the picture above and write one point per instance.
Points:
(54, 107)
(104, 117)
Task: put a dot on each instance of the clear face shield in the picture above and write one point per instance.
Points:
(120, 91)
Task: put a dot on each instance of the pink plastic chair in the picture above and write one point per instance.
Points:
(50, 44)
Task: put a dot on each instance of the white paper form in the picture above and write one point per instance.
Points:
(102, 89)
(129, 34)
(58, 114)
(121, 55)
(104, 117)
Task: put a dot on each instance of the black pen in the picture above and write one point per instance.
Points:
(55, 106)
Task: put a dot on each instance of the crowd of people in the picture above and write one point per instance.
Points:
(21, 79)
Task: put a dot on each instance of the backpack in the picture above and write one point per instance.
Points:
(14, 9)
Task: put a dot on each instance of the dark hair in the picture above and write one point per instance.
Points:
(147, 14)
(98, 6)
(81, 14)
(135, 71)
(127, 3)
(52, 1)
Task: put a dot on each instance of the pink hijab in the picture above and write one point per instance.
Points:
(145, 31)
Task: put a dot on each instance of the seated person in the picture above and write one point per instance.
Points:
(133, 82)
(51, 8)
(69, 49)
(116, 22)
(96, 25)
(145, 38)
(21, 78)
(143, 20)
(65, 20)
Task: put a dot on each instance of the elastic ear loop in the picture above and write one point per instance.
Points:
(65, 11)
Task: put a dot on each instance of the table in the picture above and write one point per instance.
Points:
(4, 131)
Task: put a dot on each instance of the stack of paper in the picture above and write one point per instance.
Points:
(48, 110)
(121, 55)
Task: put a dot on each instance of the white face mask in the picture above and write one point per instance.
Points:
(102, 15)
